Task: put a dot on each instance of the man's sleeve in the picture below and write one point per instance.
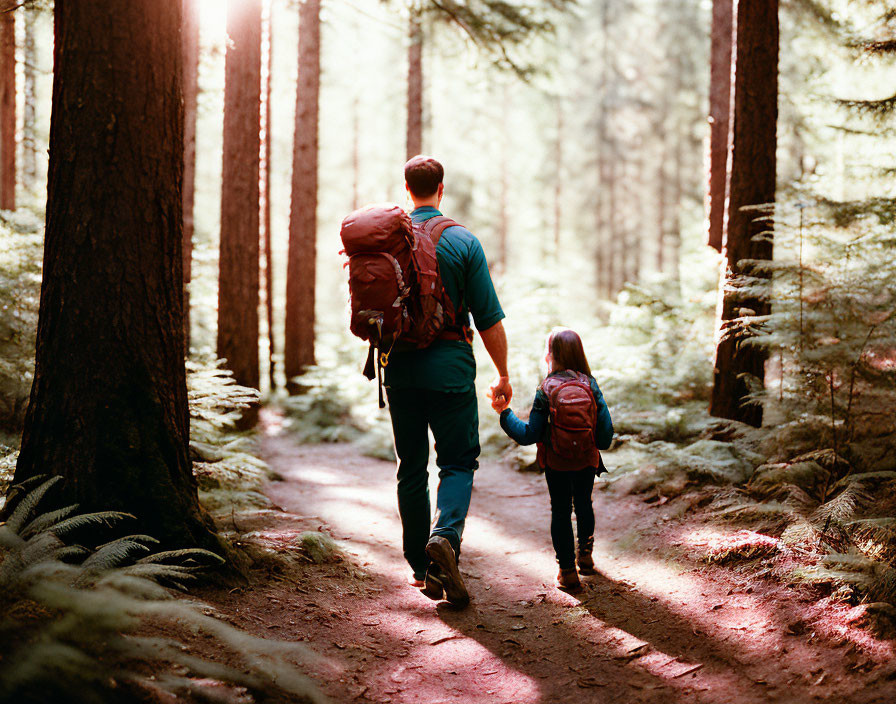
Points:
(480, 297)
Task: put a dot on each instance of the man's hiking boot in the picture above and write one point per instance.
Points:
(442, 554)
(416, 582)
(584, 559)
(432, 585)
(568, 580)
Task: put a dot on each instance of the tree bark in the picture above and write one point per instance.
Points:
(7, 106)
(752, 182)
(29, 126)
(190, 35)
(721, 66)
(266, 210)
(301, 275)
(239, 264)
(558, 177)
(108, 408)
(415, 88)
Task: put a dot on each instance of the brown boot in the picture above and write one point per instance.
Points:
(568, 580)
(584, 559)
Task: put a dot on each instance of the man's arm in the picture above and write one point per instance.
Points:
(495, 341)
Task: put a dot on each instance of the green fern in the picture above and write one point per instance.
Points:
(25, 508)
(114, 554)
(106, 519)
(47, 520)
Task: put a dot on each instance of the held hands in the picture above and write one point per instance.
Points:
(500, 392)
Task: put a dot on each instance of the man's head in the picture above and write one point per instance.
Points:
(423, 179)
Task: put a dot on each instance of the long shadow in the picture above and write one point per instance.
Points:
(613, 643)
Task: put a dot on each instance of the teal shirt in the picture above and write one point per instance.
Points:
(448, 365)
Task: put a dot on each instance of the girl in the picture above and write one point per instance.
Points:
(567, 487)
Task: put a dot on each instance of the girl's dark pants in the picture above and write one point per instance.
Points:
(568, 489)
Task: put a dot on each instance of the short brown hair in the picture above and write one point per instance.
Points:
(423, 175)
(566, 348)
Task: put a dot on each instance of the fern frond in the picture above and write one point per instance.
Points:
(17, 491)
(199, 558)
(113, 555)
(135, 587)
(174, 575)
(47, 520)
(29, 502)
(802, 533)
(842, 508)
(83, 520)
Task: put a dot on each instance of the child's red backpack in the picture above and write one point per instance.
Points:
(572, 422)
(394, 282)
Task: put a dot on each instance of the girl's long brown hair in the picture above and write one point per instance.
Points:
(566, 349)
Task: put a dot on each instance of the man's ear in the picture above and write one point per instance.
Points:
(441, 190)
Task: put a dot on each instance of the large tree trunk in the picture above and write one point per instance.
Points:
(239, 265)
(300, 278)
(719, 107)
(415, 88)
(29, 126)
(190, 37)
(7, 106)
(752, 168)
(266, 209)
(108, 408)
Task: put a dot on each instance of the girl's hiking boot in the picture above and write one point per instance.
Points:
(432, 586)
(443, 555)
(584, 559)
(568, 580)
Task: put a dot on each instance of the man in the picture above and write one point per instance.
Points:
(434, 388)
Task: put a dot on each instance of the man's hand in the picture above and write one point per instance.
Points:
(495, 342)
(500, 392)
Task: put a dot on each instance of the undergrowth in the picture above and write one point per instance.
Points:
(95, 624)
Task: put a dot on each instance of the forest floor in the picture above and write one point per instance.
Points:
(656, 624)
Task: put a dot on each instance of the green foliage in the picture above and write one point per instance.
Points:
(229, 474)
(76, 630)
(21, 248)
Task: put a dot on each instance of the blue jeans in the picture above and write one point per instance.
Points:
(454, 420)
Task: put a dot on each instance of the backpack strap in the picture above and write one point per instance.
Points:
(434, 227)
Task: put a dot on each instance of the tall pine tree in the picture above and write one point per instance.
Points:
(108, 408)
(753, 172)
(300, 277)
(238, 269)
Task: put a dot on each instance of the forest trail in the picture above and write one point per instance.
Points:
(654, 625)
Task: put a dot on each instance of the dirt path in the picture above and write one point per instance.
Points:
(655, 624)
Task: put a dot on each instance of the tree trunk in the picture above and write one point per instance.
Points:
(266, 210)
(29, 126)
(752, 168)
(7, 106)
(415, 88)
(558, 177)
(719, 108)
(239, 265)
(661, 205)
(503, 182)
(301, 277)
(190, 37)
(108, 408)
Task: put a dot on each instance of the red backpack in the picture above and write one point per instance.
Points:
(394, 282)
(572, 423)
